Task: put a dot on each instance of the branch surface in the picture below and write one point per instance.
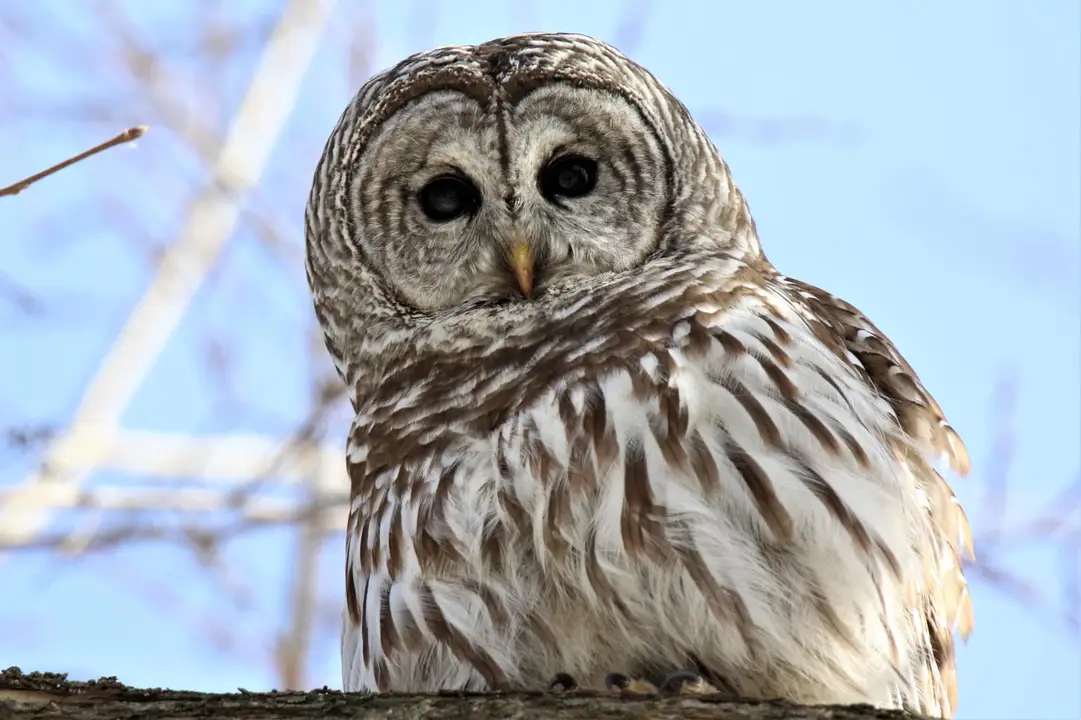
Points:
(51, 696)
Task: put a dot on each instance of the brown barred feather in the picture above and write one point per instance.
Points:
(949, 606)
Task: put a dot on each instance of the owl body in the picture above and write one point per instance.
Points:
(596, 431)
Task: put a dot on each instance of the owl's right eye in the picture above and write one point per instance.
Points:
(448, 197)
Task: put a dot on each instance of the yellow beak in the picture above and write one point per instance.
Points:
(520, 256)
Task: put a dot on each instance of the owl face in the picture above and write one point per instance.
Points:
(507, 198)
(472, 190)
(474, 196)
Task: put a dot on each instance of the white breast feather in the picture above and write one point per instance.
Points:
(556, 613)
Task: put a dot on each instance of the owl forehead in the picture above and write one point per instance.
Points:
(499, 72)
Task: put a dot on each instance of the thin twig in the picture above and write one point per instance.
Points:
(132, 133)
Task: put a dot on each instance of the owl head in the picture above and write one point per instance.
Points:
(469, 178)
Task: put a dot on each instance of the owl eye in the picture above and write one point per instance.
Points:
(448, 197)
(570, 176)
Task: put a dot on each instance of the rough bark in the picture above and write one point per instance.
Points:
(49, 696)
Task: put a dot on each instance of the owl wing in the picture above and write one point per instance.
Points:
(767, 415)
(809, 417)
(947, 605)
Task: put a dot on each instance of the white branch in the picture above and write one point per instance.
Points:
(220, 464)
(231, 459)
(252, 136)
(188, 500)
(197, 505)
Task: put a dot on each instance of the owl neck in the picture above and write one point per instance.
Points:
(446, 361)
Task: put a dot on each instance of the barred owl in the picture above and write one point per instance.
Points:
(598, 437)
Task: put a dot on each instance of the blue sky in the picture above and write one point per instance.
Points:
(919, 159)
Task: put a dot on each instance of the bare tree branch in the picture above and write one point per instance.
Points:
(126, 136)
(38, 696)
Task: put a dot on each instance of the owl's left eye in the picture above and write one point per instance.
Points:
(448, 197)
(569, 176)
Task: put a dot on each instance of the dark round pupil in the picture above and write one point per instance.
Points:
(448, 197)
(571, 176)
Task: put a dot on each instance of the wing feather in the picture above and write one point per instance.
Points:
(948, 605)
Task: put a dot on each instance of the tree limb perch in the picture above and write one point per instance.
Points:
(51, 696)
